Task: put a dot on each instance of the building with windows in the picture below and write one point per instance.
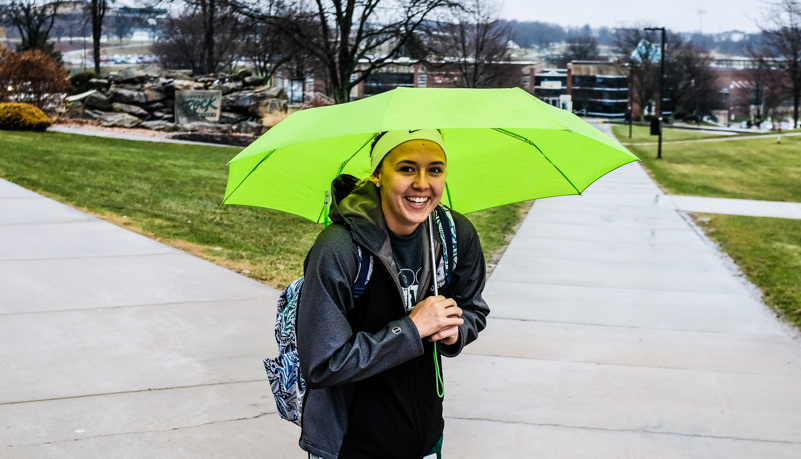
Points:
(599, 89)
(550, 85)
(587, 88)
(405, 73)
(745, 83)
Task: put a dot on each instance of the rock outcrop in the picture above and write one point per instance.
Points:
(145, 98)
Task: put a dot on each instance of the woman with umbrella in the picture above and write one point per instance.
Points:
(371, 361)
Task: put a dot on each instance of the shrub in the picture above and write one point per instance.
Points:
(81, 81)
(22, 117)
(32, 77)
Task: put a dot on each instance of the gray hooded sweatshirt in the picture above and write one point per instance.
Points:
(371, 378)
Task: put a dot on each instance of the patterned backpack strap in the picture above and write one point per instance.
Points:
(283, 371)
(364, 274)
(447, 232)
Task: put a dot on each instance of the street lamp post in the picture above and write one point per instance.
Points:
(630, 109)
(661, 87)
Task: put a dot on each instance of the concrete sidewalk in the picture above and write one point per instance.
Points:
(156, 136)
(113, 345)
(617, 331)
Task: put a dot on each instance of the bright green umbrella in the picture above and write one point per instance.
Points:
(502, 146)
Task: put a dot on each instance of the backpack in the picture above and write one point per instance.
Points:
(283, 371)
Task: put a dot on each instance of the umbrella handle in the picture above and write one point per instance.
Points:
(433, 257)
(438, 374)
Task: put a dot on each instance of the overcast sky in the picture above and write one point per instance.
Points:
(676, 15)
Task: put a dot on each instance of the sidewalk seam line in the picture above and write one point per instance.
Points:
(625, 365)
(124, 392)
(141, 432)
(679, 434)
(630, 327)
(103, 308)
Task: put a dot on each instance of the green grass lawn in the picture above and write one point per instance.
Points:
(642, 134)
(767, 250)
(757, 168)
(172, 192)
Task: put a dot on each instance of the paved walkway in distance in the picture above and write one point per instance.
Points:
(617, 330)
(737, 207)
(125, 135)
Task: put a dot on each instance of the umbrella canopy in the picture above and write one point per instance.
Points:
(502, 146)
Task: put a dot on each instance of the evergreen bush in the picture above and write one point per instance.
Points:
(22, 117)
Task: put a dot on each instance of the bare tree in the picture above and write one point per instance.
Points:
(641, 51)
(763, 78)
(270, 49)
(208, 11)
(775, 96)
(97, 9)
(581, 48)
(690, 82)
(206, 14)
(782, 33)
(122, 23)
(478, 42)
(33, 19)
(351, 39)
(266, 49)
(178, 48)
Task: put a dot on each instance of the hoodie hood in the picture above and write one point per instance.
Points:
(361, 212)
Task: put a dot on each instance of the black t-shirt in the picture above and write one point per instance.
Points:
(408, 254)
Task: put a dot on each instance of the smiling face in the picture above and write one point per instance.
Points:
(411, 179)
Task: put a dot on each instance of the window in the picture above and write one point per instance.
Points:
(382, 82)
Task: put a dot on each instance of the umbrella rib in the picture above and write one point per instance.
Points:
(339, 172)
(345, 163)
(523, 139)
(246, 177)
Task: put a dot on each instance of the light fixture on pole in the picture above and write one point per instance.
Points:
(661, 87)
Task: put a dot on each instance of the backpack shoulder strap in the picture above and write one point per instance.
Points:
(365, 271)
(447, 232)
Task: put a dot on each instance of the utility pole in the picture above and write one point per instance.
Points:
(661, 87)
(701, 14)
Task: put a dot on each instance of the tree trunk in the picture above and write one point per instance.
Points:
(98, 11)
(207, 61)
(340, 93)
